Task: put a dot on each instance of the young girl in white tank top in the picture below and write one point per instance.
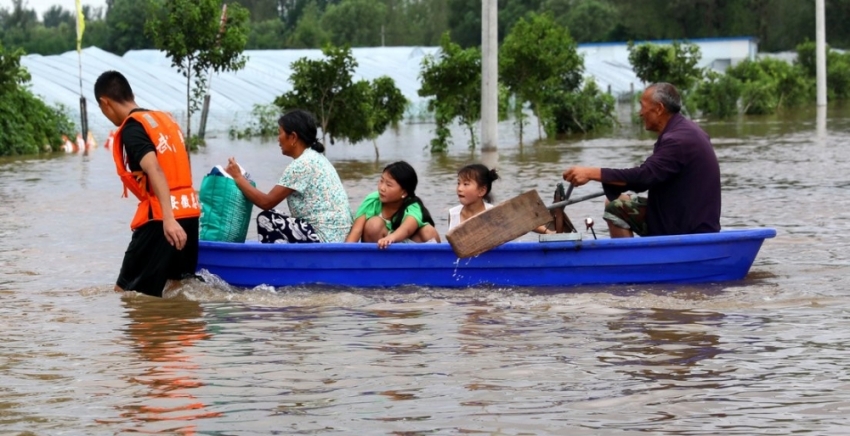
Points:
(473, 192)
(474, 183)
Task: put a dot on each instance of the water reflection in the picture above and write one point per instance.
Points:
(163, 333)
(490, 158)
(664, 344)
(581, 360)
(405, 325)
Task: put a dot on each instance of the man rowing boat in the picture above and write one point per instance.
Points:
(682, 176)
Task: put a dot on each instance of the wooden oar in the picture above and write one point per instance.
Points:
(574, 200)
(502, 223)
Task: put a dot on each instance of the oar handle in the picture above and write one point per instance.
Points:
(574, 200)
(569, 192)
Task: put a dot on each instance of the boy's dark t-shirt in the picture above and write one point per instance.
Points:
(136, 141)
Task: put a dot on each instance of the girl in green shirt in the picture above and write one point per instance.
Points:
(393, 213)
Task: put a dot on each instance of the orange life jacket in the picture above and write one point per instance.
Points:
(172, 157)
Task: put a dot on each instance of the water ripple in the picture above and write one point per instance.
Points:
(762, 355)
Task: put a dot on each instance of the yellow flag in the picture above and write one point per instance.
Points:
(81, 25)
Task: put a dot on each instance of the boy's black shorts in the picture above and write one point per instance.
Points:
(150, 261)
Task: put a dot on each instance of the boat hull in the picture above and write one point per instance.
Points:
(702, 258)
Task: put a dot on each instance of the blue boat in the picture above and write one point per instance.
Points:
(703, 258)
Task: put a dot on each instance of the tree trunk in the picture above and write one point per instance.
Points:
(539, 125)
(519, 116)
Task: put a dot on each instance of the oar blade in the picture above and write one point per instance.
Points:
(502, 223)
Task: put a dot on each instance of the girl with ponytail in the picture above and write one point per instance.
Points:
(474, 183)
(393, 213)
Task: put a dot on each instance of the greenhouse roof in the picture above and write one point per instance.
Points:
(157, 85)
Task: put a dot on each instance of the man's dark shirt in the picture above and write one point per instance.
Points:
(136, 141)
(683, 179)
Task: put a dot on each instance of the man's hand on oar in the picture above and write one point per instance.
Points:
(581, 175)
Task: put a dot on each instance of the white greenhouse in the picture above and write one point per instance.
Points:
(158, 85)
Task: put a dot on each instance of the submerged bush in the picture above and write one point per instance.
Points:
(263, 122)
(578, 112)
(837, 69)
(770, 84)
(718, 95)
(756, 87)
(27, 124)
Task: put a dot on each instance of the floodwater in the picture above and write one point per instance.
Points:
(766, 355)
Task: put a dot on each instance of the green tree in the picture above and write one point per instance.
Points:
(351, 117)
(511, 11)
(12, 74)
(261, 10)
(125, 21)
(367, 110)
(453, 80)
(53, 41)
(838, 77)
(266, 35)
(291, 11)
(90, 14)
(309, 32)
(836, 18)
(837, 69)
(317, 84)
(355, 22)
(27, 124)
(718, 95)
(591, 20)
(264, 123)
(55, 16)
(465, 18)
(432, 17)
(190, 33)
(349, 110)
(783, 23)
(577, 111)
(387, 105)
(769, 84)
(19, 25)
(398, 30)
(778, 24)
(537, 58)
(674, 63)
(96, 34)
(20, 16)
(465, 22)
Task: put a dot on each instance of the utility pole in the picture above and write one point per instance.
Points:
(820, 50)
(820, 64)
(84, 117)
(489, 75)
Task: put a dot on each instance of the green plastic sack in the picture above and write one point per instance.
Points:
(225, 212)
